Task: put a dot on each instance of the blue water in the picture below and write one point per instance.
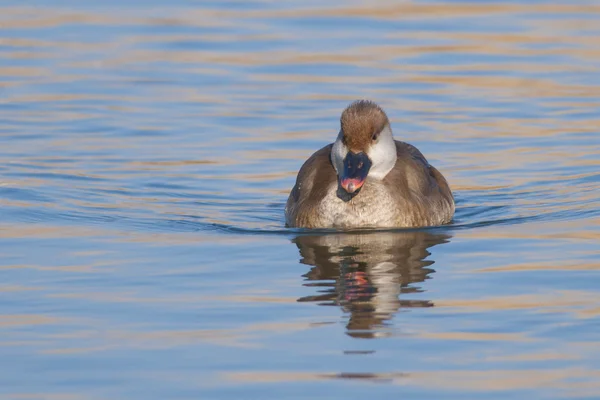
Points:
(147, 151)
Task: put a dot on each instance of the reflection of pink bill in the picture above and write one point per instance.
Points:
(357, 285)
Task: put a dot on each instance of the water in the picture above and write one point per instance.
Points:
(147, 152)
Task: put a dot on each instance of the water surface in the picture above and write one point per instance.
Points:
(146, 156)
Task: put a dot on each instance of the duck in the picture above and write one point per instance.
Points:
(367, 179)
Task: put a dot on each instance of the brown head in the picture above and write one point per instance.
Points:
(364, 147)
(361, 123)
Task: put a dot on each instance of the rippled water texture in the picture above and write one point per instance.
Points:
(147, 150)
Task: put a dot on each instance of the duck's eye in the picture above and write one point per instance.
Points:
(375, 136)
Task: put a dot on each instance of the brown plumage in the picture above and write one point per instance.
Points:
(314, 179)
(360, 122)
(412, 194)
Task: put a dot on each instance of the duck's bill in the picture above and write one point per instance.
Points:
(356, 169)
(352, 185)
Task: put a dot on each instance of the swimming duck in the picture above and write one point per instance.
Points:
(366, 179)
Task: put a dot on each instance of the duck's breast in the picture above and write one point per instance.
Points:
(372, 207)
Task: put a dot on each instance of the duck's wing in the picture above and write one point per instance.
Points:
(403, 147)
(313, 181)
(420, 186)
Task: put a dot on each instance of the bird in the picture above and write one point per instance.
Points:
(367, 179)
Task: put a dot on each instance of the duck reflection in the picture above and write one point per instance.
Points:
(370, 274)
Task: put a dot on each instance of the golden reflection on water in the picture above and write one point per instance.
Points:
(127, 101)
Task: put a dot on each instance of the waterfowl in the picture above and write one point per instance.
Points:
(366, 179)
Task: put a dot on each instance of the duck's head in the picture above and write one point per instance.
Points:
(364, 147)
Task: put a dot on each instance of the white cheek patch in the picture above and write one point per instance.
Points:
(382, 155)
(338, 153)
